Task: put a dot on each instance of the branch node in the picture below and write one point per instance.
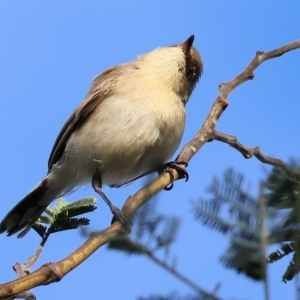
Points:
(54, 273)
(250, 76)
(256, 150)
(259, 52)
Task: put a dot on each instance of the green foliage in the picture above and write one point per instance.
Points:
(232, 210)
(152, 234)
(283, 192)
(284, 187)
(63, 216)
(151, 231)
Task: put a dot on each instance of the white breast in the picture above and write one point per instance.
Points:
(127, 138)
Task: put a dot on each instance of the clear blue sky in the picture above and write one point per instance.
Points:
(49, 52)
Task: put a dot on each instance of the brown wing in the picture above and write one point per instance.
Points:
(102, 87)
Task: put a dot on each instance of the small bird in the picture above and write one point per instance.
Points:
(129, 124)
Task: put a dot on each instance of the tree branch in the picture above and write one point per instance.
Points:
(181, 277)
(250, 152)
(227, 87)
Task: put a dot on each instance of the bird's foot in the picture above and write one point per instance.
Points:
(177, 165)
(120, 217)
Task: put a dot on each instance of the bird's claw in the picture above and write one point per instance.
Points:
(120, 217)
(181, 171)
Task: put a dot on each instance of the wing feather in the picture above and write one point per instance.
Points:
(102, 86)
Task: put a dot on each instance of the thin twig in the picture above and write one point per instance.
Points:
(23, 270)
(181, 277)
(263, 239)
(226, 88)
(248, 152)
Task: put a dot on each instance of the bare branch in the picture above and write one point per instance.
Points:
(24, 270)
(180, 276)
(250, 152)
(227, 87)
(264, 240)
(206, 132)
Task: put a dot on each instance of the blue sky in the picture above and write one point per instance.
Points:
(50, 51)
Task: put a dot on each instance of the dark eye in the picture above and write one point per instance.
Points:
(189, 73)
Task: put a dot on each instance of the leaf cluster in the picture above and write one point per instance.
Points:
(232, 210)
(63, 216)
(152, 231)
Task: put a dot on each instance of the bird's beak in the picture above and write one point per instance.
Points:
(187, 45)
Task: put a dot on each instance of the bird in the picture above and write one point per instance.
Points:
(130, 124)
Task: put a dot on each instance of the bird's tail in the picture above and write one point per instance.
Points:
(28, 210)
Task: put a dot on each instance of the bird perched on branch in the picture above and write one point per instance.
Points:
(129, 124)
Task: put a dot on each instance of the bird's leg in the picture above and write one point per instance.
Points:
(170, 166)
(118, 215)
